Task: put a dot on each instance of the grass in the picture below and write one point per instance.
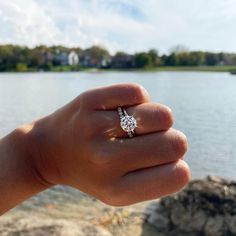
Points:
(178, 68)
(197, 68)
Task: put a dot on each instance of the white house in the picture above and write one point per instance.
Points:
(73, 58)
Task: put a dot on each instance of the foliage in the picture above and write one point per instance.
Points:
(55, 58)
(21, 67)
(142, 60)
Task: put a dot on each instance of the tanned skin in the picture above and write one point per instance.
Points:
(82, 145)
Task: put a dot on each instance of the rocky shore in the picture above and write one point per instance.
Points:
(204, 208)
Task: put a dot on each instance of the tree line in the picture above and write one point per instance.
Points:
(21, 58)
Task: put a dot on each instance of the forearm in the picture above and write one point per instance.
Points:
(19, 179)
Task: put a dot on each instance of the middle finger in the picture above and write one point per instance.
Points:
(147, 151)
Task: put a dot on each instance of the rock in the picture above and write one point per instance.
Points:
(205, 207)
(191, 222)
(231, 223)
(48, 227)
(180, 221)
(161, 223)
(214, 226)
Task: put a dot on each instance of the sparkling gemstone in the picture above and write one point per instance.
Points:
(128, 123)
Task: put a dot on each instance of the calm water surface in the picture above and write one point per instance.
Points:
(204, 105)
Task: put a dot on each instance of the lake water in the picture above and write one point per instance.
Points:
(204, 105)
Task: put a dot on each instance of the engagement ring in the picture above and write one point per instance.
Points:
(127, 123)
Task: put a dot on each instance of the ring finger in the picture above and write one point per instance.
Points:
(150, 117)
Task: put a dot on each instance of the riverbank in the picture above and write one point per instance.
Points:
(63, 211)
(177, 68)
(196, 68)
(204, 207)
(149, 69)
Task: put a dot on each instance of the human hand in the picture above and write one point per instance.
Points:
(82, 145)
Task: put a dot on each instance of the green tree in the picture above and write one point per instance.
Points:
(170, 60)
(7, 57)
(196, 58)
(21, 67)
(212, 59)
(154, 55)
(142, 60)
(182, 59)
(97, 55)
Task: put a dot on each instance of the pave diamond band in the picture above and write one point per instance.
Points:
(127, 123)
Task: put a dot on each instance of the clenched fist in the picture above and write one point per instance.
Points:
(83, 145)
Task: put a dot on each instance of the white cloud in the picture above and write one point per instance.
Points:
(120, 24)
(25, 23)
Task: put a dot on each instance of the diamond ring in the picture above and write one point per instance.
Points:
(127, 123)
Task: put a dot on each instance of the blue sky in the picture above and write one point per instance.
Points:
(120, 24)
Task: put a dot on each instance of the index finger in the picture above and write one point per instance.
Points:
(111, 97)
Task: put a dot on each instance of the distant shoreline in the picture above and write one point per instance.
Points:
(154, 69)
(197, 68)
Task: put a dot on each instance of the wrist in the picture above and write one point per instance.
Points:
(32, 148)
(19, 178)
(26, 150)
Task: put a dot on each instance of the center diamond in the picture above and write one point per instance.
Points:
(128, 123)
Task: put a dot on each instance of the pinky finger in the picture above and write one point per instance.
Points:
(152, 183)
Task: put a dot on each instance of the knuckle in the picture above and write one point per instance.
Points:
(138, 92)
(85, 98)
(179, 144)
